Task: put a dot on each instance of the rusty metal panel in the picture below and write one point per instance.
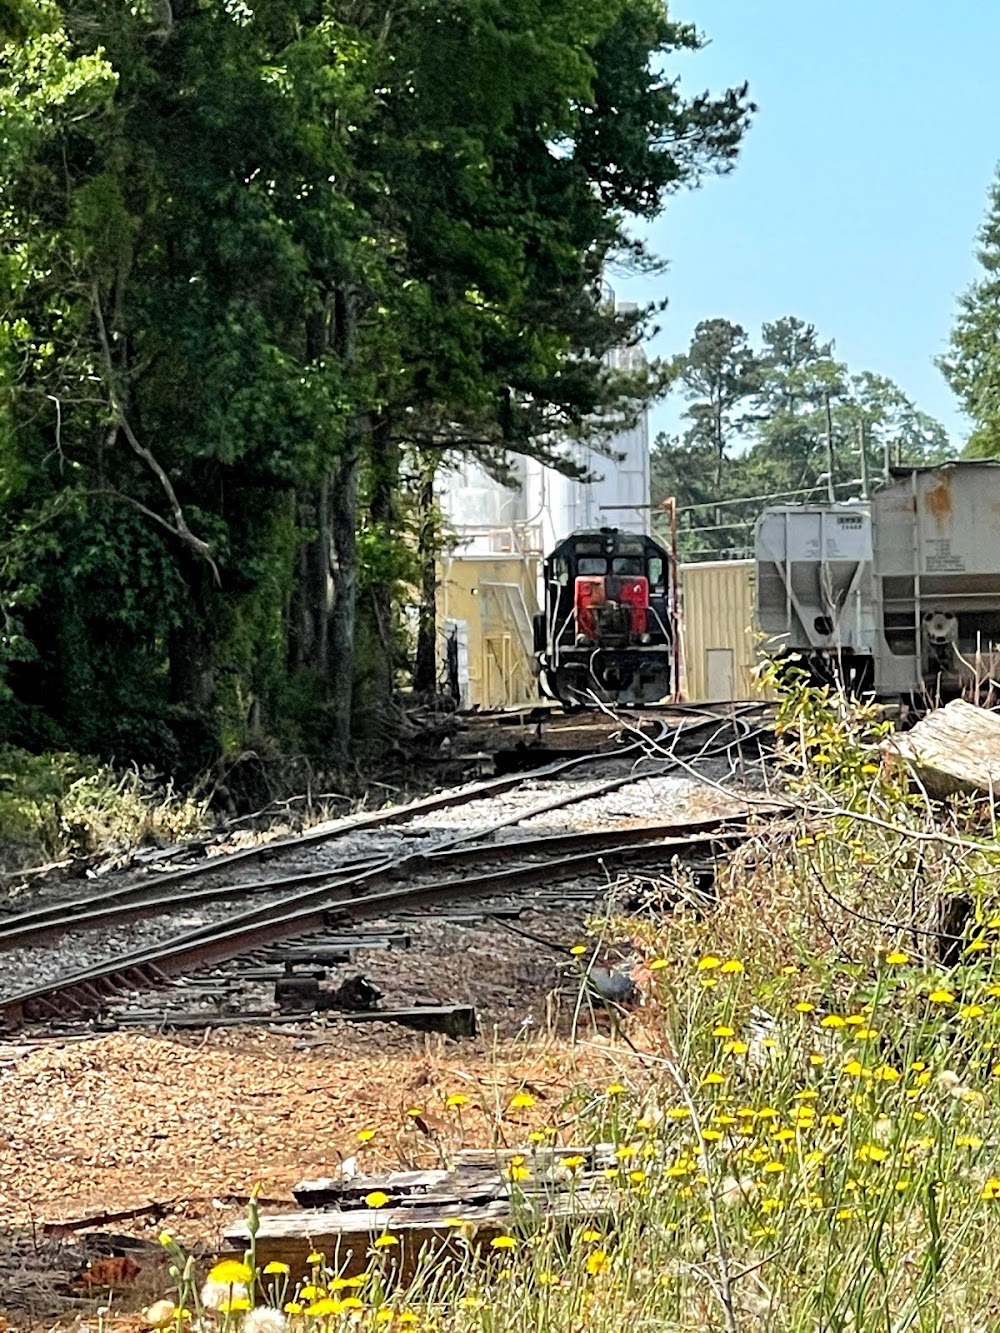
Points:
(717, 603)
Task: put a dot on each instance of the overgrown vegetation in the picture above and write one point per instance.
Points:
(805, 1113)
(57, 808)
(260, 268)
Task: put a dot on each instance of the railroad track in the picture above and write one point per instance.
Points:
(375, 887)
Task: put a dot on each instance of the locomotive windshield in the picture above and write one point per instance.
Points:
(626, 564)
(592, 564)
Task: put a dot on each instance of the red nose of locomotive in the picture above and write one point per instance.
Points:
(611, 608)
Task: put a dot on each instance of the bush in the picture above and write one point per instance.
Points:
(59, 806)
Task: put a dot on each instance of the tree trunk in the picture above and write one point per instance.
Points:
(384, 455)
(313, 598)
(425, 665)
(344, 519)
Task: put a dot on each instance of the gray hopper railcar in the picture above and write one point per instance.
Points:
(903, 599)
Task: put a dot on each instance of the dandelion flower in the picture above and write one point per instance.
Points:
(165, 1239)
(991, 1190)
(597, 1262)
(547, 1279)
(658, 964)
(214, 1294)
(941, 996)
(711, 1135)
(615, 1089)
(887, 1074)
(804, 1007)
(968, 1141)
(503, 1243)
(732, 965)
(276, 1266)
(315, 1258)
(457, 1099)
(977, 946)
(713, 1078)
(265, 1319)
(845, 1214)
(590, 1235)
(897, 958)
(789, 970)
(385, 1241)
(231, 1271)
(723, 1031)
(578, 949)
(517, 1172)
(854, 1068)
(234, 1305)
(774, 1168)
(324, 1307)
(832, 1021)
(573, 1163)
(294, 1307)
(709, 963)
(637, 1177)
(376, 1199)
(971, 1011)
(414, 1111)
(521, 1101)
(871, 1152)
(366, 1135)
(816, 1059)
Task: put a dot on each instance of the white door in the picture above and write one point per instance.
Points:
(720, 668)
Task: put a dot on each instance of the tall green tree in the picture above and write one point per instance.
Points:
(972, 364)
(718, 375)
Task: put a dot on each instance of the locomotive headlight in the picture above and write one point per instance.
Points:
(645, 638)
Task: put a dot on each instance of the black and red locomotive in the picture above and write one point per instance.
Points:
(607, 631)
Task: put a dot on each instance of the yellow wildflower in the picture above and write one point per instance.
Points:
(941, 996)
(832, 1021)
(723, 1031)
(804, 1007)
(322, 1309)
(658, 964)
(709, 963)
(365, 1135)
(578, 949)
(597, 1262)
(234, 1305)
(276, 1266)
(971, 1011)
(231, 1271)
(897, 958)
(457, 1099)
(713, 1078)
(384, 1241)
(521, 1101)
(376, 1199)
(732, 965)
(503, 1243)
(615, 1089)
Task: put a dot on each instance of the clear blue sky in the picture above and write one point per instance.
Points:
(860, 188)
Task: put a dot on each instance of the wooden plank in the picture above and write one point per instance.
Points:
(953, 749)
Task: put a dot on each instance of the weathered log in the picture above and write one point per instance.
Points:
(953, 749)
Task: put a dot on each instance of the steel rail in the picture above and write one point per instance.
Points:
(87, 991)
(299, 914)
(42, 923)
(33, 929)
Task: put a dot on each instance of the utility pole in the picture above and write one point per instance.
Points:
(831, 492)
(863, 447)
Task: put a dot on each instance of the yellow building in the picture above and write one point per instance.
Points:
(718, 639)
(487, 602)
